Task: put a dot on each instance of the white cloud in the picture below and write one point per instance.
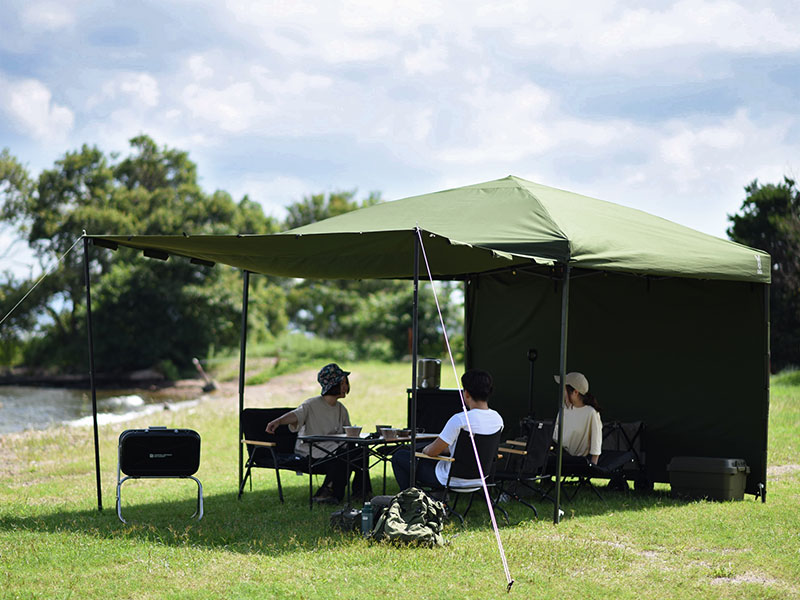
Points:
(275, 192)
(502, 126)
(426, 60)
(296, 84)
(199, 68)
(357, 50)
(139, 90)
(143, 88)
(614, 35)
(30, 107)
(47, 16)
(233, 109)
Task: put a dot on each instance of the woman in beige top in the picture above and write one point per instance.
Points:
(583, 429)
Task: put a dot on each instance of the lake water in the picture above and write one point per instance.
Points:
(24, 408)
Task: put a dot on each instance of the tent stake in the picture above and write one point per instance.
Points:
(414, 353)
(91, 368)
(242, 362)
(562, 374)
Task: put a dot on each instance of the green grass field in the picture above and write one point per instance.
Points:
(54, 543)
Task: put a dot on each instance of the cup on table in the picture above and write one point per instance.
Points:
(352, 430)
(378, 428)
(389, 433)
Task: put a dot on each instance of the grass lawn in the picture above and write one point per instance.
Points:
(54, 543)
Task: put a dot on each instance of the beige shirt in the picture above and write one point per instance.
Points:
(317, 417)
(583, 431)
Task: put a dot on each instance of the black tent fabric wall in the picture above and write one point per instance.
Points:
(688, 357)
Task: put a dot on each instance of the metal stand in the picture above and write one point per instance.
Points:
(198, 511)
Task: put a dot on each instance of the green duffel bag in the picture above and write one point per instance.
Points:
(412, 517)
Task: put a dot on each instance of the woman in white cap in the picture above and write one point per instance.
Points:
(583, 430)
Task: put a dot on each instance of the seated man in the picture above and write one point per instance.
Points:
(483, 420)
(324, 415)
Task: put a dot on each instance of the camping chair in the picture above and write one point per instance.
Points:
(269, 451)
(526, 462)
(619, 452)
(629, 437)
(463, 466)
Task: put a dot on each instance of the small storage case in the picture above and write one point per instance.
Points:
(708, 477)
(158, 453)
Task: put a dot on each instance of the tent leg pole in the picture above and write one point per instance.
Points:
(767, 371)
(414, 353)
(562, 373)
(91, 369)
(242, 362)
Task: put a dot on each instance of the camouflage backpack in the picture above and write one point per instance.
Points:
(412, 517)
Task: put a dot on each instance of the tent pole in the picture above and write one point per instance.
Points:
(562, 370)
(414, 353)
(242, 362)
(91, 368)
(767, 371)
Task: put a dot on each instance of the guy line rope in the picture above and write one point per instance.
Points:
(509, 579)
(50, 270)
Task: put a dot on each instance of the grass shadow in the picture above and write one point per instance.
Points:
(259, 523)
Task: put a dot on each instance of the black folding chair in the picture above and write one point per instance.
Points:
(464, 466)
(619, 457)
(269, 450)
(525, 462)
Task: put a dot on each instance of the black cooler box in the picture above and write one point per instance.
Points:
(708, 477)
(159, 452)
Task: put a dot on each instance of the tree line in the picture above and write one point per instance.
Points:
(150, 312)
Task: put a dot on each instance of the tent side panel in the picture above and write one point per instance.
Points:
(685, 356)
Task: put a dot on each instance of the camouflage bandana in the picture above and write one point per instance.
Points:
(329, 376)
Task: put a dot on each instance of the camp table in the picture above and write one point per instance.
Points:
(368, 443)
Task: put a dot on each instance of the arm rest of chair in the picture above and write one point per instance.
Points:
(423, 455)
(257, 443)
(515, 443)
(512, 450)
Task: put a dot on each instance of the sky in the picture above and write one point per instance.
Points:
(668, 107)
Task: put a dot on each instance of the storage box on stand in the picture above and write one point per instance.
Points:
(708, 477)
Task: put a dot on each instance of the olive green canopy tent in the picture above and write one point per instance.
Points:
(670, 325)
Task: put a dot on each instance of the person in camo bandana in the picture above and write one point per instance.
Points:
(325, 415)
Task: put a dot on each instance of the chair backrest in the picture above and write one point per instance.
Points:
(464, 465)
(539, 436)
(625, 437)
(254, 423)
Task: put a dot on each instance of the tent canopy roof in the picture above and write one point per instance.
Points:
(499, 224)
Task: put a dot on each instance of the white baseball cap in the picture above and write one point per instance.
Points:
(575, 380)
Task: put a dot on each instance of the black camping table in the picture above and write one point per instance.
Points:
(368, 443)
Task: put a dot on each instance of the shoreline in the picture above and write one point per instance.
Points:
(116, 404)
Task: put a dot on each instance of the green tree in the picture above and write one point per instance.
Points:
(318, 207)
(145, 307)
(769, 219)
